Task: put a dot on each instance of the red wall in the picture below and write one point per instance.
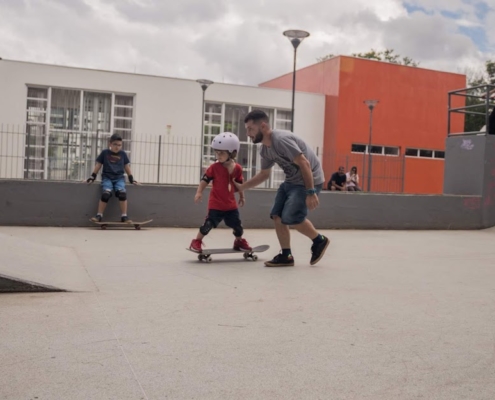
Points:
(412, 112)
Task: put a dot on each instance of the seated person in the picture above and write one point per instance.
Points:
(352, 181)
(337, 181)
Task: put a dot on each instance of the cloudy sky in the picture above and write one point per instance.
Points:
(241, 41)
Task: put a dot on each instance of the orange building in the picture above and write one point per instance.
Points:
(409, 124)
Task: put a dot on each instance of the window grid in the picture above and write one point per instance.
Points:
(389, 151)
(425, 153)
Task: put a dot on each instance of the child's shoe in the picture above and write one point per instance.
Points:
(125, 218)
(196, 245)
(242, 245)
(97, 218)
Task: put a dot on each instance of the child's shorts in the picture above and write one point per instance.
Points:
(108, 184)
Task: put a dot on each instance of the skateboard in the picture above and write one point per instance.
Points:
(136, 225)
(206, 254)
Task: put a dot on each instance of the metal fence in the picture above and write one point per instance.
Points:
(160, 159)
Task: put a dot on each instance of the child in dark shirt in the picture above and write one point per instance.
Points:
(114, 162)
(222, 204)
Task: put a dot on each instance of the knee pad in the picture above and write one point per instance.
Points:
(106, 196)
(207, 227)
(238, 231)
(122, 196)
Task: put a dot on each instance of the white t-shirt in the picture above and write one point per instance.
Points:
(350, 183)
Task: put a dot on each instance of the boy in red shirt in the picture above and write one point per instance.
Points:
(222, 204)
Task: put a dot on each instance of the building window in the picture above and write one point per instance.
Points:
(123, 112)
(425, 153)
(375, 150)
(283, 120)
(358, 148)
(36, 117)
(74, 128)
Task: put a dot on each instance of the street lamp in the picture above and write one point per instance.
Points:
(295, 37)
(371, 105)
(204, 85)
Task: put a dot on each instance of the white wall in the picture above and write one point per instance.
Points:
(159, 101)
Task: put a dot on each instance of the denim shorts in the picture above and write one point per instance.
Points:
(290, 203)
(108, 184)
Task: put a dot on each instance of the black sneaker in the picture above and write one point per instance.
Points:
(97, 218)
(125, 218)
(318, 250)
(280, 261)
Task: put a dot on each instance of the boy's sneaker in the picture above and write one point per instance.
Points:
(96, 218)
(196, 245)
(280, 261)
(318, 250)
(125, 218)
(242, 245)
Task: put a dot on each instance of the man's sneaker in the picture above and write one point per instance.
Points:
(125, 218)
(280, 261)
(242, 245)
(96, 218)
(196, 245)
(318, 250)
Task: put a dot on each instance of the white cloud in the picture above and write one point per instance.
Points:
(233, 40)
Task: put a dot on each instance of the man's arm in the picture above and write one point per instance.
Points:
(306, 172)
(256, 180)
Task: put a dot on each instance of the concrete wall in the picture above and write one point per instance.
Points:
(38, 203)
(464, 171)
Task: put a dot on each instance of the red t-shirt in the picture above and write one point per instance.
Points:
(221, 198)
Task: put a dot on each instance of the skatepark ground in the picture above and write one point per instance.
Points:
(384, 315)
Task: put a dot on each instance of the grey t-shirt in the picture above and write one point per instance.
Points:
(285, 147)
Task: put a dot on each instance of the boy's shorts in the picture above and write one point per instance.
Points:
(290, 203)
(231, 218)
(108, 184)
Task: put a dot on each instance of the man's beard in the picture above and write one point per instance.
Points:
(258, 137)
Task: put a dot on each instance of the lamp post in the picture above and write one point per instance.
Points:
(371, 105)
(295, 37)
(204, 85)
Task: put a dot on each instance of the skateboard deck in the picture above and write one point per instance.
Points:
(206, 254)
(135, 224)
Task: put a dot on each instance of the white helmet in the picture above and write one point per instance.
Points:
(226, 141)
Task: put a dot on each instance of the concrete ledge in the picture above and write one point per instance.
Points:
(69, 204)
(13, 285)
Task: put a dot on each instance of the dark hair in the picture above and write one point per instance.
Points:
(115, 138)
(256, 116)
(354, 168)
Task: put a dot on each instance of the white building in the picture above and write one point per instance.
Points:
(54, 120)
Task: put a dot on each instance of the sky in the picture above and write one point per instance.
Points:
(240, 41)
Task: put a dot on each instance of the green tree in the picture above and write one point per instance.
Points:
(387, 55)
(474, 122)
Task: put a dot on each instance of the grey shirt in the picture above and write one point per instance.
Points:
(285, 147)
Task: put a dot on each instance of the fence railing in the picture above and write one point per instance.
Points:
(160, 159)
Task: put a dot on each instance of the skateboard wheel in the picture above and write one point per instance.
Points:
(138, 227)
(255, 257)
(200, 257)
(103, 227)
(208, 260)
(245, 255)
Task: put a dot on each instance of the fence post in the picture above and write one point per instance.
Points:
(67, 165)
(159, 156)
(28, 151)
(403, 171)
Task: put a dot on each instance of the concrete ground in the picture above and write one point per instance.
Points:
(384, 315)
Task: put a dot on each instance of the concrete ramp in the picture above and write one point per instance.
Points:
(26, 266)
